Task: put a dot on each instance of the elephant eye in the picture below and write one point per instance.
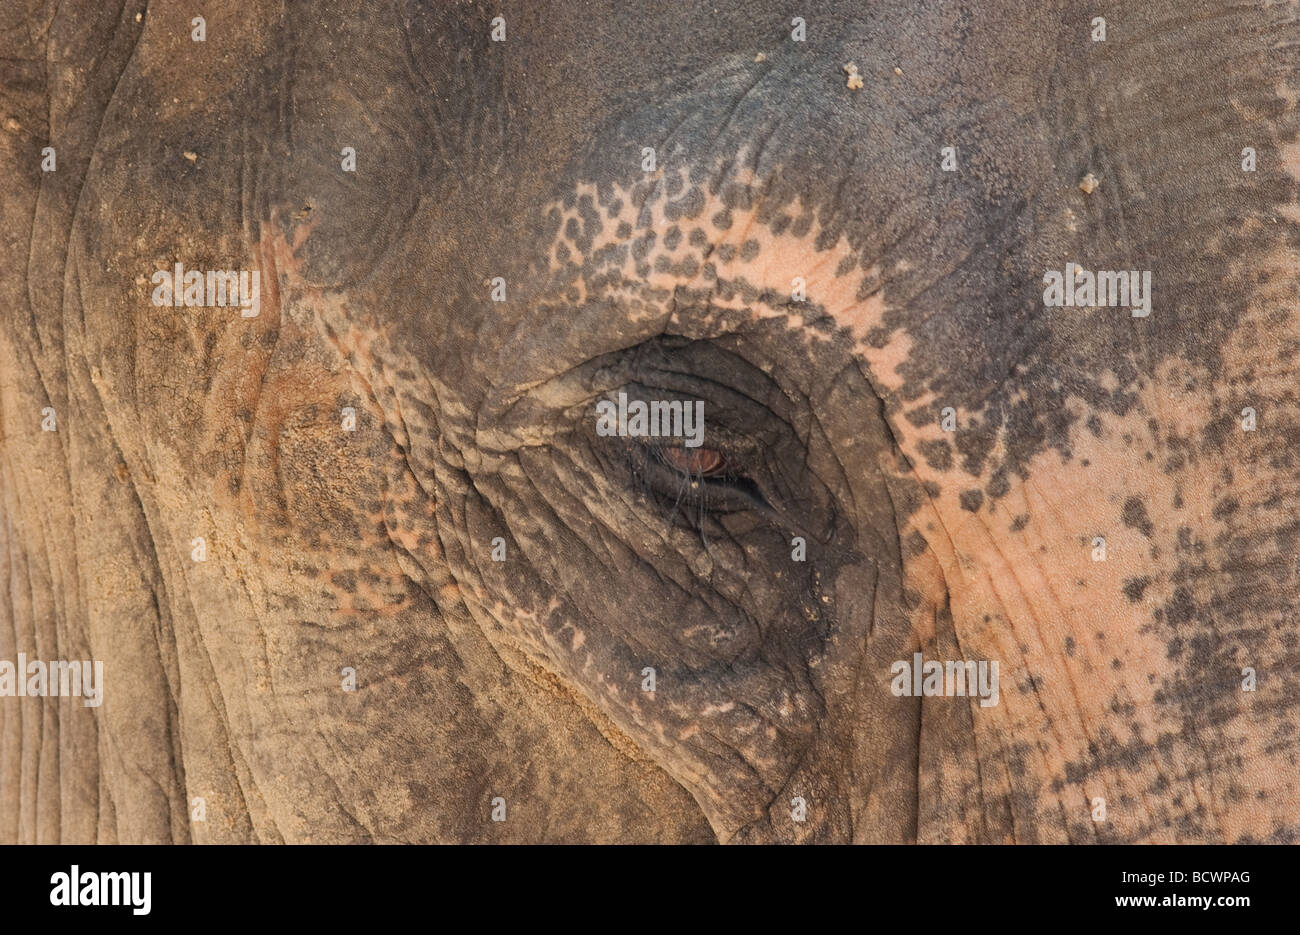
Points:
(707, 480)
(694, 462)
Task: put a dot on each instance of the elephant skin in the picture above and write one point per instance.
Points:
(880, 376)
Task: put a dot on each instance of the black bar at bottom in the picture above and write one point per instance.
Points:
(333, 885)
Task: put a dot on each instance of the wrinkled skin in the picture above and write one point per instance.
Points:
(1120, 679)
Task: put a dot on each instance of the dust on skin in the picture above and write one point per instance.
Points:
(1095, 698)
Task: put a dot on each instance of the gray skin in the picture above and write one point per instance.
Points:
(522, 679)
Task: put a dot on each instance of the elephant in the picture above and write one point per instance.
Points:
(986, 534)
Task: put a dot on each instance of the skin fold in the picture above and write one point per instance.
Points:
(517, 167)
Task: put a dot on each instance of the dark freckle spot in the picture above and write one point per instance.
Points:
(749, 250)
(641, 246)
(1020, 522)
(780, 223)
(1135, 516)
(698, 237)
(827, 237)
(931, 488)
(623, 231)
(1116, 664)
(344, 580)
(1181, 607)
(726, 252)
(722, 220)
(662, 263)
(937, 454)
(673, 237)
(562, 253)
(571, 229)
(1069, 646)
(845, 267)
(1134, 588)
(987, 618)
(738, 196)
(915, 544)
(615, 207)
(1085, 462)
(998, 486)
(921, 415)
(801, 226)
(1094, 425)
(1225, 508)
(643, 270)
(971, 499)
(688, 206)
